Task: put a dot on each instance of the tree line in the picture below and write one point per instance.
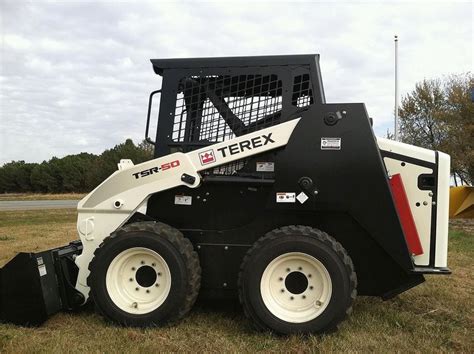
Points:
(73, 173)
(439, 115)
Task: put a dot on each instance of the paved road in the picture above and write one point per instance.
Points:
(37, 204)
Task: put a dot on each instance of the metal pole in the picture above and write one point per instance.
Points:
(396, 90)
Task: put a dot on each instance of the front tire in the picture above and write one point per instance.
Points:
(297, 279)
(144, 274)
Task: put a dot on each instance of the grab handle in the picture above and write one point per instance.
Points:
(150, 100)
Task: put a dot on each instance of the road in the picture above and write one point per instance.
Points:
(37, 204)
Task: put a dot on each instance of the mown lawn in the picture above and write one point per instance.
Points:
(435, 316)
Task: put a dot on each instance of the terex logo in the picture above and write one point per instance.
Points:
(249, 144)
(207, 157)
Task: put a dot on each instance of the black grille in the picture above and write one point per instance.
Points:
(227, 170)
(217, 108)
(302, 92)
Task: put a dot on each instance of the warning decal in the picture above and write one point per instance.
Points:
(42, 270)
(183, 199)
(282, 197)
(302, 197)
(330, 143)
(265, 167)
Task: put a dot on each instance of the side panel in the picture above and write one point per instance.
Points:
(348, 178)
(417, 199)
(425, 174)
(442, 215)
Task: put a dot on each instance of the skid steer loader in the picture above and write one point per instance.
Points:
(258, 189)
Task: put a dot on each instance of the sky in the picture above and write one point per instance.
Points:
(75, 75)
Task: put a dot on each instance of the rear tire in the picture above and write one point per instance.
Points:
(144, 274)
(297, 279)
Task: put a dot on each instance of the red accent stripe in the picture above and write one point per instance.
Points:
(405, 215)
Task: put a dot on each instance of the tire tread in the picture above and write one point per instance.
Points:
(308, 232)
(181, 243)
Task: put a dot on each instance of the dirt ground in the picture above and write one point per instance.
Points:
(466, 225)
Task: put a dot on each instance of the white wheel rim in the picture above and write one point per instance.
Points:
(282, 289)
(129, 280)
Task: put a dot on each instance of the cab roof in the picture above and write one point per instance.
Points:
(159, 65)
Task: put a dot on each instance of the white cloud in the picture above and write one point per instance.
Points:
(12, 41)
(76, 76)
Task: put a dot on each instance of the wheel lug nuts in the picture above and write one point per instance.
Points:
(282, 290)
(280, 279)
(133, 268)
(288, 269)
(292, 298)
(136, 289)
(300, 268)
(157, 285)
(142, 262)
(304, 296)
(131, 279)
(148, 291)
(311, 287)
(309, 275)
(153, 264)
(159, 274)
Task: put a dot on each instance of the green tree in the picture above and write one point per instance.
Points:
(147, 150)
(421, 114)
(460, 121)
(73, 170)
(44, 180)
(438, 115)
(15, 177)
(106, 163)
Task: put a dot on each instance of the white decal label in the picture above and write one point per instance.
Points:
(265, 166)
(285, 197)
(302, 197)
(330, 143)
(183, 199)
(42, 270)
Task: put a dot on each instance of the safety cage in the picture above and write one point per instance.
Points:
(207, 101)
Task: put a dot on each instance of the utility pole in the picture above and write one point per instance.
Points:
(396, 90)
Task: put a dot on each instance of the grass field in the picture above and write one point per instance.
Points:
(435, 316)
(28, 196)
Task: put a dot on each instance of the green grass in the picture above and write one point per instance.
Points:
(38, 196)
(436, 316)
(462, 242)
(35, 217)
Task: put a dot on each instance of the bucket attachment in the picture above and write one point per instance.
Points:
(34, 286)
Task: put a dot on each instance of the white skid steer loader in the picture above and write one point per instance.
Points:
(258, 189)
